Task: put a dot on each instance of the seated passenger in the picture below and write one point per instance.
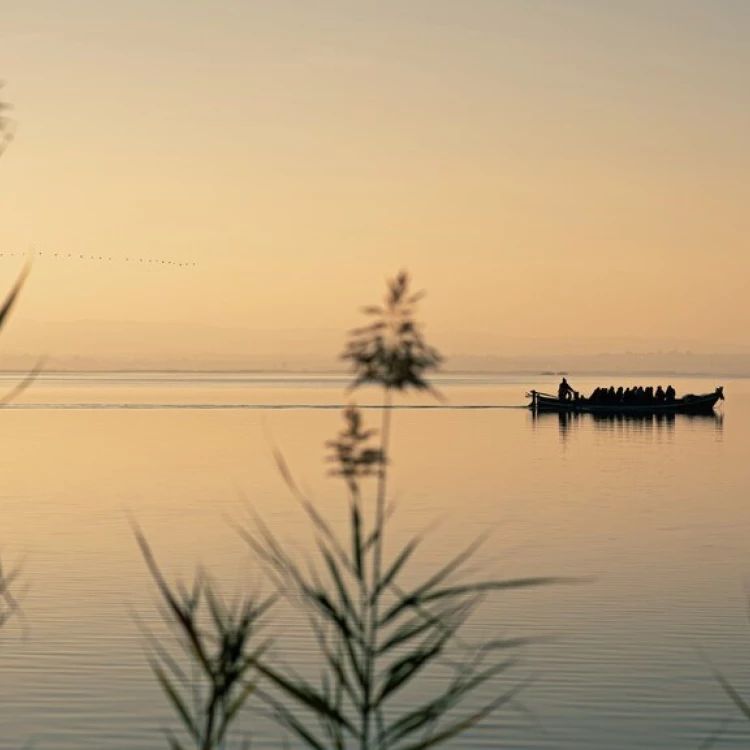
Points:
(619, 394)
(611, 395)
(670, 394)
(659, 396)
(650, 394)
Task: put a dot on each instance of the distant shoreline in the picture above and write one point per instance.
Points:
(342, 374)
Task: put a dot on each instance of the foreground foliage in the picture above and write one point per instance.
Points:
(212, 684)
(377, 636)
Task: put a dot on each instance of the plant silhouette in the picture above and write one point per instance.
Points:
(376, 636)
(218, 642)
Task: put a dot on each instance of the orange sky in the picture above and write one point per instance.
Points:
(543, 168)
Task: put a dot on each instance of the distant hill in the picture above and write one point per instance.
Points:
(125, 345)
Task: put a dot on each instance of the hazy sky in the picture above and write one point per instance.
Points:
(542, 167)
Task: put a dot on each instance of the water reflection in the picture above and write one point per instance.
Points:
(657, 512)
(656, 424)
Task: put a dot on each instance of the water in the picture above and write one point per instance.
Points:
(656, 511)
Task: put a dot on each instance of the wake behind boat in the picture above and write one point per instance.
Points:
(625, 401)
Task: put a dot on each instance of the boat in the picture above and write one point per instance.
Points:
(689, 404)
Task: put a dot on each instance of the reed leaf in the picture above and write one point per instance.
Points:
(346, 602)
(174, 743)
(233, 709)
(318, 521)
(356, 524)
(512, 643)
(405, 668)
(287, 719)
(419, 625)
(485, 586)
(460, 726)
(305, 694)
(731, 691)
(401, 559)
(420, 717)
(10, 300)
(177, 701)
(181, 614)
(342, 677)
(415, 598)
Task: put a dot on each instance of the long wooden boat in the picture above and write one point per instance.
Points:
(690, 404)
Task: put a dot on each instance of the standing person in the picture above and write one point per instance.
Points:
(565, 392)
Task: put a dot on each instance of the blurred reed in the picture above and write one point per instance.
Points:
(376, 637)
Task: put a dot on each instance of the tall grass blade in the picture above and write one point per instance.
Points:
(233, 709)
(730, 690)
(460, 726)
(356, 521)
(486, 586)
(10, 300)
(395, 568)
(415, 597)
(174, 743)
(346, 602)
(417, 719)
(305, 694)
(176, 700)
(419, 625)
(287, 719)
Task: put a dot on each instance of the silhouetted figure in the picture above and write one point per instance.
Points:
(611, 395)
(650, 394)
(565, 392)
(669, 394)
(619, 395)
(660, 396)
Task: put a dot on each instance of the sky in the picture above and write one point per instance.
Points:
(544, 169)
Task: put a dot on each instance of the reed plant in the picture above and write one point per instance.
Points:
(211, 679)
(9, 599)
(7, 130)
(376, 636)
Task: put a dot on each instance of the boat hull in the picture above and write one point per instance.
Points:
(702, 404)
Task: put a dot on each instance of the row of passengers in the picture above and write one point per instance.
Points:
(637, 395)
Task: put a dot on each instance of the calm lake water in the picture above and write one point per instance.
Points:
(658, 513)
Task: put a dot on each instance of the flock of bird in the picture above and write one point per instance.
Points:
(75, 256)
